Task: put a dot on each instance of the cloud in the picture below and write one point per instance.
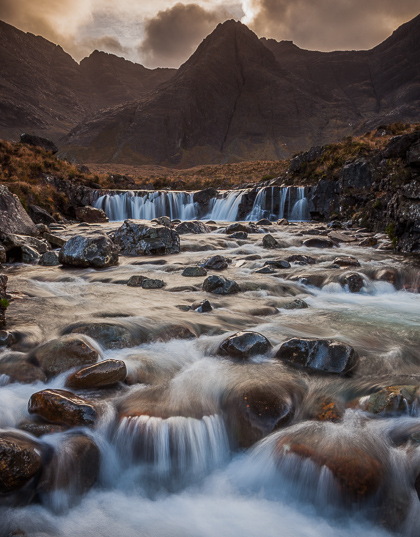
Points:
(173, 34)
(328, 24)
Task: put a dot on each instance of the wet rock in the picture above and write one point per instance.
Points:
(202, 307)
(4, 303)
(13, 217)
(369, 242)
(74, 466)
(283, 222)
(263, 311)
(353, 280)
(244, 345)
(264, 270)
(220, 285)
(91, 215)
(388, 275)
(18, 369)
(30, 256)
(204, 196)
(98, 252)
(141, 239)
(38, 141)
(40, 215)
(7, 338)
(346, 261)
(270, 242)
(301, 259)
(54, 240)
(173, 331)
(17, 246)
(99, 375)
(20, 461)
(264, 222)
(163, 221)
(195, 227)
(237, 226)
(3, 256)
(50, 259)
(194, 272)
(278, 264)
(61, 354)
(149, 283)
(296, 304)
(110, 335)
(39, 429)
(323, 355)
(335, 224)
(216, 262)
(318, 243)
(239, 235)
(341, 237)
(392, 399)
(62, 407)
(325, 408)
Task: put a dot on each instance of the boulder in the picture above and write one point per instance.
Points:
(216, 262)
(50, 259)
(39, 429)
(322, 355)
(282, 222)
(194, 272)
(204, 196)
(264, 222)
(13, 217)
(110, 335)
(62, 407)
(61, 354)
(145, 283)
(195, 227)
(54, 240)
(278, 264)
(338, 236)
(96, 251)
(356, 175)
(346, 261)
(220, 285)
(4, 303)
(40, 215)
(244, 345)
(239, 235)
(369, 242)
(270, 242)
(318, 243)
(237, 226)
(399, 145)
(163, 221)
(98, 375)
(393, 399)
(297, 304)
(18, 369)
(201, 307)
(301, 259)
(91, 215)
(20, 461)
(141, 239)
(264, 270)
(30, 256)
(38, 141)
(353, 280)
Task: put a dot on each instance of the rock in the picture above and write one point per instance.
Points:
(318, 243)
(356, 175)
(301, 259)
(237, 226)
(173, 331)
(30, 256)
(341, 237)
(98, 252)
(163, 221)
(216, 262)
(61, 354)
(62, 407)
(278, 263)
(323, 355)
(369, 242)
(149, 283)
(99, 375)
(353, 280)
(393, 399)
(296, 304)
(413, 156)
(264, 270)
(54, 240)
(204, 196)
(195, 227)
(270, 242)
(18, 369)
(399, 145)
(264, 222)
(110, 335)
(219, 285)
(141, 239)
(50, 259)
(202, 307)
(40, 215)
(20, 461)
(283, 222)
(239, 235)
(194, 272)
(327, 409)
(4, 303)
(136, 280)
(39, 429)
(3, 255)
(263, 311)
(335, 224)
(74, 466)
(346, 261)
(91, 215)
(244, 345)
(7, 338)
(37, 141)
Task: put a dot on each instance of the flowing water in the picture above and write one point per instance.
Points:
(181, 454)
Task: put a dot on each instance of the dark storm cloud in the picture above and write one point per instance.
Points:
(329, 24)
(173, 35)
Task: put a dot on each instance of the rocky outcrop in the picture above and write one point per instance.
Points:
(13, 217)
(141, 239)
(37, 141)
(95, 251)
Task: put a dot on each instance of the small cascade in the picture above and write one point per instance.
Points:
(300, 208)
(226, 209)
(280, 202)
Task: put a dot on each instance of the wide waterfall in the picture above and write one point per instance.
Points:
(270, 202)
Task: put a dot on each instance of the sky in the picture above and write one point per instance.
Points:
(161, 33)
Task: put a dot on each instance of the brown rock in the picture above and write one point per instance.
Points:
(4, 303)
(62, 407)
(99, 375)
(91, 215)
(346, 261)
(319, 243)
(16, 367)
(39, 429)
(341, 237)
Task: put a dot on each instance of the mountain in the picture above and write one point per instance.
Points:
(43, 90)
(239, 97)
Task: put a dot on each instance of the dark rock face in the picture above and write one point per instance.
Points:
(244, 345)
(194, 272)
(195, 227)
(346, 261)
(61, 354)
(20, 461)
(220, 286)
(13, 217)
(99, 375)
(321, 355)
(216, 262)
(3, 300)
(204, 196)
(40, 215)
(97, 252)
(37, 141)
(91, 215)
(62, 407)
(140, 239)
(357, 174)
(318, 243)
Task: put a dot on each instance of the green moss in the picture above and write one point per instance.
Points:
(4, 303)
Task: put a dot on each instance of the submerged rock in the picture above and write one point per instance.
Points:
(62, 407)
(141, 239)
(323, 355)
(110, 335)
(18, 369)
(318, 243)
(99, 375)
(301, 259)
(220, 285)
(393, 399)
(216, 262)
(97, 252)
(244, 345)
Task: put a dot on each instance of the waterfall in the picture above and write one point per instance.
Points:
(270, 202)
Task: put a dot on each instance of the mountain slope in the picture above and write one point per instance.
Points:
(239, 97)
